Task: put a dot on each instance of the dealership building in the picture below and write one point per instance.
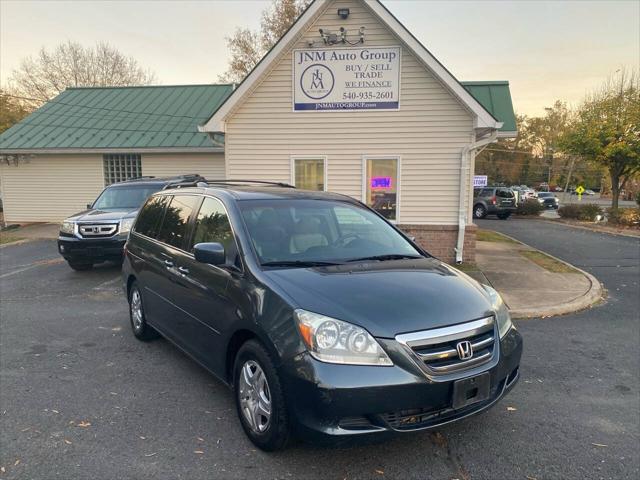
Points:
(347, 101)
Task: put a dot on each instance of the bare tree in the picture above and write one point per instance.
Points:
(248, 47)
(40, 78)
(12, 110)
(246, 52)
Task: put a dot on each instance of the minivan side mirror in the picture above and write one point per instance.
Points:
(212, 253)
(89, 206)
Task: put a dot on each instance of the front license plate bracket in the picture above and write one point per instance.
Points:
(468, 391)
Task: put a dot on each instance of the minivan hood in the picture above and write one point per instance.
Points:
(102, 216)
(387, 298)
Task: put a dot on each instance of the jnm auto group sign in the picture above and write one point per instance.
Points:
(346, 79)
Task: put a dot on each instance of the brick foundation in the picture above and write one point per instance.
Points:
(440, 240)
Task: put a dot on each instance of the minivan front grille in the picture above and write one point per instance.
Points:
(445, 350)
(97, 230)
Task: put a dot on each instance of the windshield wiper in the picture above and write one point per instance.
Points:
(382, 258)
(298, 263)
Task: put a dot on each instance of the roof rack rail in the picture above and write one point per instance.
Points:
(244, 181)
(137, 178)
(189, 180)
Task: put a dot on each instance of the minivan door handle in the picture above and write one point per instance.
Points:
(183, 270)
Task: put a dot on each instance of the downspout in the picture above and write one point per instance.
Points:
(464, 169)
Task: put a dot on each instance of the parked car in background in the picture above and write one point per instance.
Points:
(323, 318)
(499, 201)
(518, 192)
(549, 200)
(589, 192)
(98, 233)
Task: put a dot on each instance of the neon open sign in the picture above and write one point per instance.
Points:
(383, 183)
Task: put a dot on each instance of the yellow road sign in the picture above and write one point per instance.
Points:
(580, 191)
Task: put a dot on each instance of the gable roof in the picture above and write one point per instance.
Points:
(482, 117)
(494, 95)
(145, 118)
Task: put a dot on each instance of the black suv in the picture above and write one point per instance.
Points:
(98, 234)
(499, 201)
(324, 318)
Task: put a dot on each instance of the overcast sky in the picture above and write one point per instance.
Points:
(548, 50)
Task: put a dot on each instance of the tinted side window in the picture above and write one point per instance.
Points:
(486, 192)
(176, 219)
(212, 225)
(150, 216)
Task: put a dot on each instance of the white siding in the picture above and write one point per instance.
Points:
(49, 188)
(209, 165)
(428, 132)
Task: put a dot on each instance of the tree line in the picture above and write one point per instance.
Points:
(596, 144)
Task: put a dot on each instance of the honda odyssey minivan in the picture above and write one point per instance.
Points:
(325, 319)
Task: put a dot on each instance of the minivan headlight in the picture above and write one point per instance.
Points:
(335, 341)
(68, 227)
(503, 317)
(126, 224)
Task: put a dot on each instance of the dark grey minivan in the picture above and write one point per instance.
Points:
(324, 318)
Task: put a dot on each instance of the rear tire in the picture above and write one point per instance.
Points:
(479, 211)
(80, 267)
(141, 329)
(260, 398)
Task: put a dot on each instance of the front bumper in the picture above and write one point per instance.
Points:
(340, 401)
(94, 250)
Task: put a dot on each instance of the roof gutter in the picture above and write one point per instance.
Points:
(464, 171)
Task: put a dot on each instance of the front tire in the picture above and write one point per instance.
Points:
(479, 211)
(260, 398)
(141, 330)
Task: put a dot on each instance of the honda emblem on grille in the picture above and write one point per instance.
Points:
(465, 350)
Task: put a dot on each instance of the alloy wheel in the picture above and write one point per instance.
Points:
(136, 309)
(255, 397)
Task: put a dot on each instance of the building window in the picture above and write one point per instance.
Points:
(309, 173)
(121, 167)
(381, 186)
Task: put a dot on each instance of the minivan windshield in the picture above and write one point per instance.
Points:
(302, 233)
(124, 198)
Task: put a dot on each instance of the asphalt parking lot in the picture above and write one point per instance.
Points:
(81, 398)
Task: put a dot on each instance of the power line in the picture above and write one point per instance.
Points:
(102, 129)
(88, 117)
(509, 151)
(58, 102)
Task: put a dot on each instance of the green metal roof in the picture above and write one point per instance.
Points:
(160, 117)
(148, 117)
(496, 98)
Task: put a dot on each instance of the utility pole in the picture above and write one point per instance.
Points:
(566, 185)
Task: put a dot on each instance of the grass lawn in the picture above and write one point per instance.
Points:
(491, 236)
(466, 267)
(547, 262)
(4, 238)
(8, 238)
